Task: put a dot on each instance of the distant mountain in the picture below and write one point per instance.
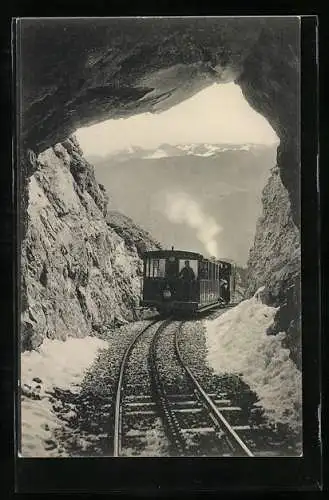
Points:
(168, 150)
(222, 181)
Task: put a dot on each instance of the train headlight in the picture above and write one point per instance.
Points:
(166, 294)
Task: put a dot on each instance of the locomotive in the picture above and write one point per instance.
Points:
(181, 281)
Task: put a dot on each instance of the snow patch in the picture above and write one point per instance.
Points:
(237, 343)
(258, 293)
(159, 153)
(211, 149)
(204, 155)
(58, 363)
(55, 364)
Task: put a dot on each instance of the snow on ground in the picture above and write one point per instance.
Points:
(237, 343)
(55, 364)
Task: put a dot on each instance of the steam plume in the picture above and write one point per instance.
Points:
(180, 208)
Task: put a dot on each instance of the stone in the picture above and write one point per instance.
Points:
(274, 263)
(96, 280)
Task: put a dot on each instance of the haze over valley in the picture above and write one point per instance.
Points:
(201, 197)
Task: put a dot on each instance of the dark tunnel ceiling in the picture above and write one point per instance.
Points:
(76, 72)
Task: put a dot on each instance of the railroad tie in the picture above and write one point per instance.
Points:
(242, 428)
(141, 412)
(197, 430)
(188, 410)
(136, 404)
(229, 408)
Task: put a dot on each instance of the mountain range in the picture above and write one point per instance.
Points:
(188, 194)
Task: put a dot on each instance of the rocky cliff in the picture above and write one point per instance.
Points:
(274, 262)
(133, 235)
(79, 274)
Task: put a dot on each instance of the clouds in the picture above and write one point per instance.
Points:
(181, 208)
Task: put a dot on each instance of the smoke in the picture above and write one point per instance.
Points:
(180, 208)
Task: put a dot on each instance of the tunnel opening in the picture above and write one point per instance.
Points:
(124, 71)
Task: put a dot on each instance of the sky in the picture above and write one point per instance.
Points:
(218, 113)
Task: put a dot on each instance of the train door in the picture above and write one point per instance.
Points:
(171, 275)
(188, 279)
(203, 282)
(216, 282)
(224, 282)
(171, 268)
(211, 291)
(232, 282)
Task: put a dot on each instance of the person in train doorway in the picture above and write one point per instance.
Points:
(188, 277)
(225, 293)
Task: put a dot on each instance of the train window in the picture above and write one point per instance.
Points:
(159, 268)
(155, 268)
(147, 267)
(204, 274)
(193, 264)
(202, 270)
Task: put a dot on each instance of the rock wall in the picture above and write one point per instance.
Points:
(133, 235)
(274, 262)
(78, 274)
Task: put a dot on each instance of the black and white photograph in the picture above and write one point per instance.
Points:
(159, 237)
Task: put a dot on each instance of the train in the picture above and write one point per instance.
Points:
(178, 281)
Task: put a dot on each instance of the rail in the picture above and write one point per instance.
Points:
(161, 397)
(218, 417)
(117, 411)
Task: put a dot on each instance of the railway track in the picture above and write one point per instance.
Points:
(193, 421)
(119, 400)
